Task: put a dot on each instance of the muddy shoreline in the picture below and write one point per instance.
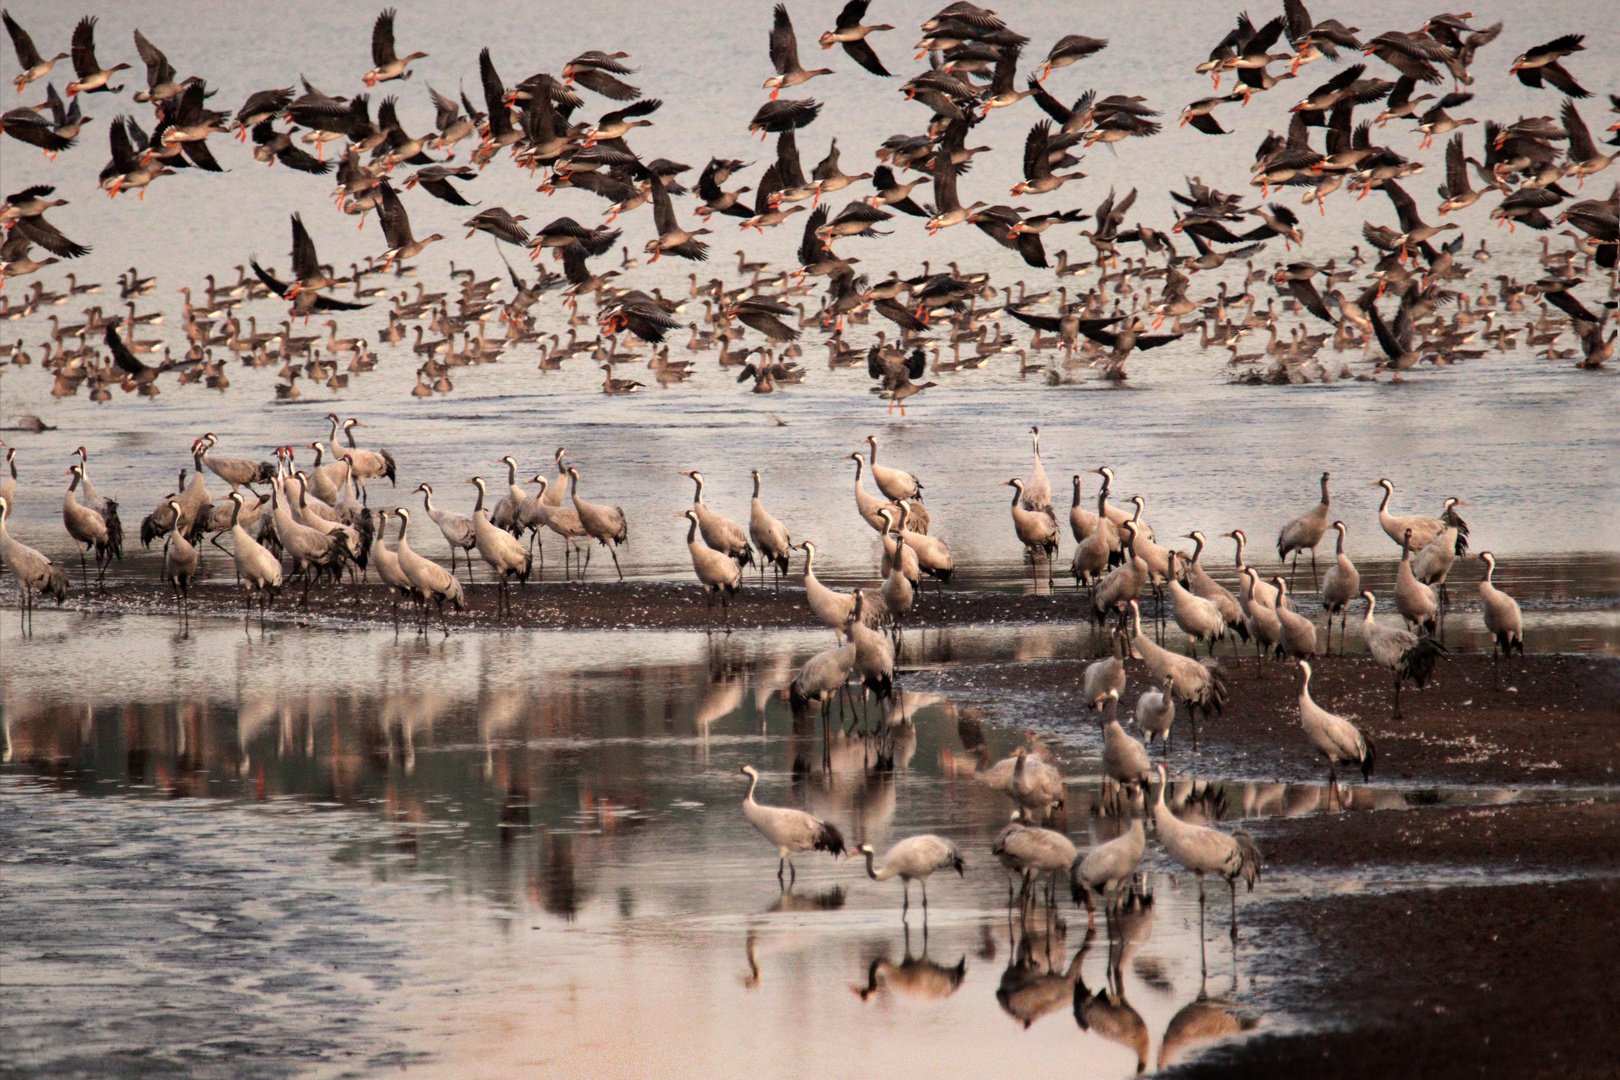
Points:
(1452, 982)
(636, 604)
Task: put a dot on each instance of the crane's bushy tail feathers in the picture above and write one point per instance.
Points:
(388, 466)
(1369, 759)
(1250, 861)
(797, 699)
(781, 562)
(1218, 688)
(115, 531)
(151, 529)
(958, 865)
(829, 839)
(1417, 663)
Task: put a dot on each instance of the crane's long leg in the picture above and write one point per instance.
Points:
(1232, 884)
(1314, 579)
(905, 907)
(613, 550)
(1203, 965)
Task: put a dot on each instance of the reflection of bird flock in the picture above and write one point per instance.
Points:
(1207, 612)
(1527, 164)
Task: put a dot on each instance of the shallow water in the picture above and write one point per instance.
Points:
(335, 852)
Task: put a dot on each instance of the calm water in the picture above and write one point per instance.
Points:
(314, 853)
(1530, 444)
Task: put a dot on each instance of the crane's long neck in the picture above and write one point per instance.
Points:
(870, 872)
(348, 431)
(871, 452)
(427, 499)
(1490, 568)
(511, 474)
(236, 512)
(1238, 560)
(753, 780)
(1325, 501)
(479, 483)
(697, 496)
(810, 563)
(1077, 491)
(1198, 549)
(1367, 619)
(320, 452)
(756, 485)
(1383, 504)
(1340, 546)
(1018, 493)
(691, 532)
(74, 483)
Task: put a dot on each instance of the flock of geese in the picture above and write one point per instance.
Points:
(974, 69)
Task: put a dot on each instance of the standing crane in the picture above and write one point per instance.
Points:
(790, 830)
(36, 572)
(605, 524)
(1198, 684)
(179, 562)
(1340, 585)
(719, 532)
(504, 553)
(457, 528)
(1031, 852)
(1502, 618)
(89, 530)
(1404, 653)
(717, 572)
(428, 579)
(257, 569)
(915, 857)
(1106, 868)
(1334, 737)
(896, 484)
(1305, 531)
(1036, 530)
(769, 535)
(1205, 850)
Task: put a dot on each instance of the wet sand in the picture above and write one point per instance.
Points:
(1453, 982)
(1544, 719)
